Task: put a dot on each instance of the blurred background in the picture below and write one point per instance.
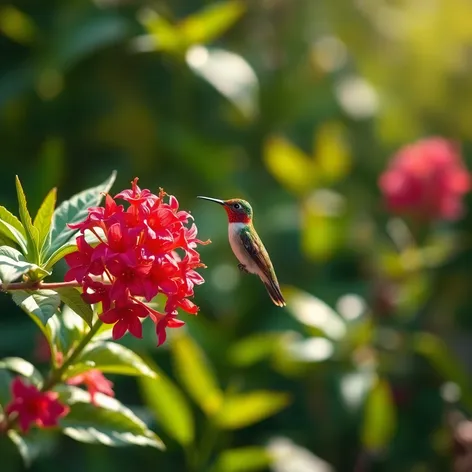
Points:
(296, 106)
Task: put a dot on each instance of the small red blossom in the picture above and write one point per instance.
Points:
(35, 407)
(144, 249)
(95, 382)
(426, 179)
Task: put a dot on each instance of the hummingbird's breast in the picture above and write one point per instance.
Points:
(234, 230)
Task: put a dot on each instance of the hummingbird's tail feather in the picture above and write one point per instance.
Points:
(274, 292)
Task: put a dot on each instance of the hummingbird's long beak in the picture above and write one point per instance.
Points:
(221, 202)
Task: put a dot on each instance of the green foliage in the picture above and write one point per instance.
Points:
(379, 418)
(73, 211)
(43, 219)
(108, 422)
(236, 99)
(243, 459)
(195, 374)
(13, 265)
(11, 228)
(244, 409)
(22, 367)
(32, 233)
(110, 358)
(39, 305)
(169, 406)
(72, 298)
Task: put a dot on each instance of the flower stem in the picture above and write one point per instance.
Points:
(57, 374)
(37, 285)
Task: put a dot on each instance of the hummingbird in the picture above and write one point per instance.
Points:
(247, 245)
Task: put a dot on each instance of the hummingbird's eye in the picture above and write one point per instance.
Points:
(236, 206)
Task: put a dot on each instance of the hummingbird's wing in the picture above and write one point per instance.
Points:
(258, 253)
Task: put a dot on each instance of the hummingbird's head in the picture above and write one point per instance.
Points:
(238, 211)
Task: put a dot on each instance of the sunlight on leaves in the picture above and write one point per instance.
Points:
(288, 456)
(243, 459)
(211, 22)
(22, 367)
(12, 228)
(109, 422)
(228, 73)
(29, 449)
(72, 297)
(110, 358)
(39, 305)
(73, 211)
(170, 408)
(379, 422)
(255, 348)
(294, 169)
(244, 409)
(314, 313)
(43, 219)
(331, 153)
(195, 373)
(32, 233)
(13, 265)
(435, 350)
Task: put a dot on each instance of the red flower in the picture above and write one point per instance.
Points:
(426, 179)
(136, 259)
(34, 406)
(95, 382)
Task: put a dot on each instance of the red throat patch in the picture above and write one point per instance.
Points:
(235, 216)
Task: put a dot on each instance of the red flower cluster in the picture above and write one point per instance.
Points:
(426, 179)
(95, 382)
(136, 259)
(34, 406)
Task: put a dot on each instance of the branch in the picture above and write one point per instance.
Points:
(56, 375)
(31, 285)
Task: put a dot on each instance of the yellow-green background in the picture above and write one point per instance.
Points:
(296, 106)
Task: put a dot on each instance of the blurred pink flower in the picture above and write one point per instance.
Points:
(426, 179)
(34, 407)
(95, 382)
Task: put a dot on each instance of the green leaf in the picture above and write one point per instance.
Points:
(32, 234)
(169, 406)
(315, 314)
(74, 211)
(22, 367)
(195, 374)
(243, 459)
(379, 418)
(40, 305)
(110, 358)
(6, 241)
(245, 409)
(164, 35)
(5, 387)
(228, 73)
(436, 351)
(211, 22)
(65, 330)
(13, 265)
(28, 449)
(289, 165)
(43, 220)
(109, 422)
(68, 248)
(72, 298)
(11, 227)
(254, 348)
(331, 153)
